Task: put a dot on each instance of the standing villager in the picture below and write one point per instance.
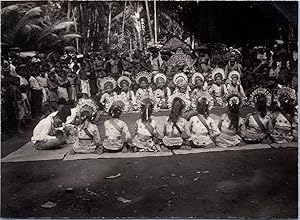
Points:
(36, 96)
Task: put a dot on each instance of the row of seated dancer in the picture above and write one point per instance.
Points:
(181, 130)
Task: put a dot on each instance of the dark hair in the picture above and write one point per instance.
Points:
(261, 105)
(147, 106)
(115, 111)
(287, 105)
(62, 101)
(86, 114)
(176, 110)
(234, 115)
(202, 107)
(63, 113)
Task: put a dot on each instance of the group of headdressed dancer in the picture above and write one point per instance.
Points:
(188, 125)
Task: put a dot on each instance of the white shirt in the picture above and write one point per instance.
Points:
(42, 130)
(34, 83)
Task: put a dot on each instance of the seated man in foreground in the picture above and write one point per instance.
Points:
(49, 132)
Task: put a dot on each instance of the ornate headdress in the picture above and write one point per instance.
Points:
(108, 80)
(118, 100)
(195, 75)
(218, 71)
(260, 91)
(180, 79)
(124, 78)
(159, 75)
(143, 75)
(233, 99)
(285, 94)
(209, 100)
(234, 73)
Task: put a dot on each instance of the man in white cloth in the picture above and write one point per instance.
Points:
(49, 132)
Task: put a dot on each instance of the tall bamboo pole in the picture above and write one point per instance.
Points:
(149, 21)
(123, 24)
(109, 23)
(155, 22)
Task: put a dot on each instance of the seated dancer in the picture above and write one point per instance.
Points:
(200, 86)
(108, 85)
(258, 125)
(143, 80)
(89, 140)
(234, 86)
(49, 132)
(203, 128)
(218, 89)
(117, 135)
(182, 90)
(176, 129)
(284, 119)
(162, 92)
(231, 124)
(147, 136)
(124, 84)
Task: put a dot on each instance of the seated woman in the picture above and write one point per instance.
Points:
(218, 89)
(176, 129)
(147, 136)
(283, 120)
(203, 128)
(182, 90)
(144, 91)
(162, 92)
(124, 84)
(116, 131)
(49, 132)
(234, 85)
(231, 124)
(200, 86)
(108, 85)
(89, 140)
(258, 125)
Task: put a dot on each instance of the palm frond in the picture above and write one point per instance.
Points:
(71, 36)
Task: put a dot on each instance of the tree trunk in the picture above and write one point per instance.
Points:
(155, 23)
(149, 21)
(123, 23)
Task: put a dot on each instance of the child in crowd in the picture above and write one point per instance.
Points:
(124, 84)
(89, 140)
(117, 135)
(218, 90)
(283, 120)
(235, 87)
(108, 85)
(147, 136)
(231, 124)
(84, 84)
(176, 129)
(182, 90)
(162, 92)
(203, 128)
(258, 125)
(73, 88)
(143, 80)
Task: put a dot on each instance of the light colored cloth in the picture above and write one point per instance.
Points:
(71, 118)
(23, 81)
(85, 87)
(42, 130)
(86, 144)
(115, 139)
(143, 138)
(282, 132)
(34, 83)
(252, 130)
(238, 89)
(43, 81)
(62, 92)
(229, 136)
(172, 136)
(218, 92)
(162, 96)
(131, 97)
(105, 97)
(199, 133)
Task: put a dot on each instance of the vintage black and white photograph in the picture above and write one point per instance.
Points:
(149, 109)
